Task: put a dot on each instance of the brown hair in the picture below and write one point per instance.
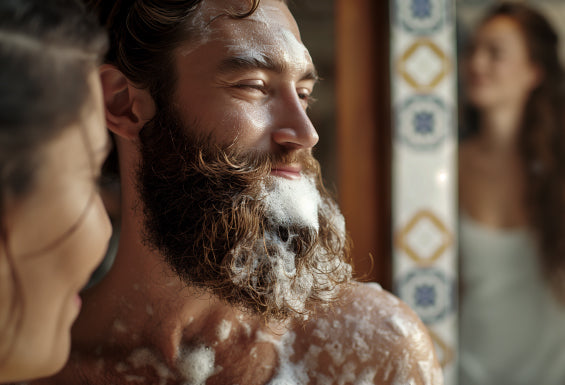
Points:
(47, 52)
(144, 35)
(542, 140)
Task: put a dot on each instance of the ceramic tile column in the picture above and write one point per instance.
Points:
(423, 54)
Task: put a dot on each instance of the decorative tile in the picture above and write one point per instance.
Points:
(423, 91)
(428, 292)
(420, 16)
(423, 65)
(423, 122)
(425, 238)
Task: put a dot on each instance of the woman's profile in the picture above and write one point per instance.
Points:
(512, 203)
(53, 226)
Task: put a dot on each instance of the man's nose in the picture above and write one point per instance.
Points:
(293, 129)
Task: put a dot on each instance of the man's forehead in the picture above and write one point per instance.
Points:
(269, 31)
(210, 11)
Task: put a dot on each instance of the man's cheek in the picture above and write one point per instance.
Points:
(249, 126)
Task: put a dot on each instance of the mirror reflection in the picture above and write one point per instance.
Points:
(511, 194)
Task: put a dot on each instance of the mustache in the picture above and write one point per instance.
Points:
(204, 163)
(166, 136)
(250, 162)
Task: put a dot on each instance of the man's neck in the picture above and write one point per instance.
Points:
(142, 302)
(141, 320)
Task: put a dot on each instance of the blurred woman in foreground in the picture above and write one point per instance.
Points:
(53, 226)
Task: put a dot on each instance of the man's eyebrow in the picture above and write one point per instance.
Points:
(245, 63)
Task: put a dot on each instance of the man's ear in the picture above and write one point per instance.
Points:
(127, 107)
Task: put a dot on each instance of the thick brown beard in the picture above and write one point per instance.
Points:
(204, 214)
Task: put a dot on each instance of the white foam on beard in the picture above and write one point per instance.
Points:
(293, 202)
(290, 203)
(289, 289)
(287, 202)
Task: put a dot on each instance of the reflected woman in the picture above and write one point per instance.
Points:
(53, 227)
(512, 203)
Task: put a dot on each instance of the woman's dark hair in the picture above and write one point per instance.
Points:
(542, 139)
(48, 49)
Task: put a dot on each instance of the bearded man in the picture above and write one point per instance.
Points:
(233, 263)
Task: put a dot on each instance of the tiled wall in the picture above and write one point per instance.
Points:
(423, 62)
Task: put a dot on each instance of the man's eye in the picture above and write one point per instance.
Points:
(305, 95)
(252, 85)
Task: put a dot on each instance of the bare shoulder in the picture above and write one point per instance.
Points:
(372, 337)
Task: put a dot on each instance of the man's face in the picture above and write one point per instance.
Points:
(232, 195)
(249, 80)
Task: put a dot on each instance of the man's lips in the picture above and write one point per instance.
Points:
(287, 171)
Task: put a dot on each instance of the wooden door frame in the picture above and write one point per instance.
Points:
(364, 133)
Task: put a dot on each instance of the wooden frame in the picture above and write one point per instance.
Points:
(364, 133)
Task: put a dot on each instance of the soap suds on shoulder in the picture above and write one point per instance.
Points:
(224, 330)
(196, 365)
(144, 357)
(371, 340)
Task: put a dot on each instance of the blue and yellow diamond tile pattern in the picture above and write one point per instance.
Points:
(423, 65)
(423, 122)
(425, 238)
(428, 291)
(420, 16)
(424, 102)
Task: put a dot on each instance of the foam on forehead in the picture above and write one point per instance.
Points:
(275, 36)
(273, 31)
(275, 41)
(200, 26)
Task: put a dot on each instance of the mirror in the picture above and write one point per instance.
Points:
(512, 322)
